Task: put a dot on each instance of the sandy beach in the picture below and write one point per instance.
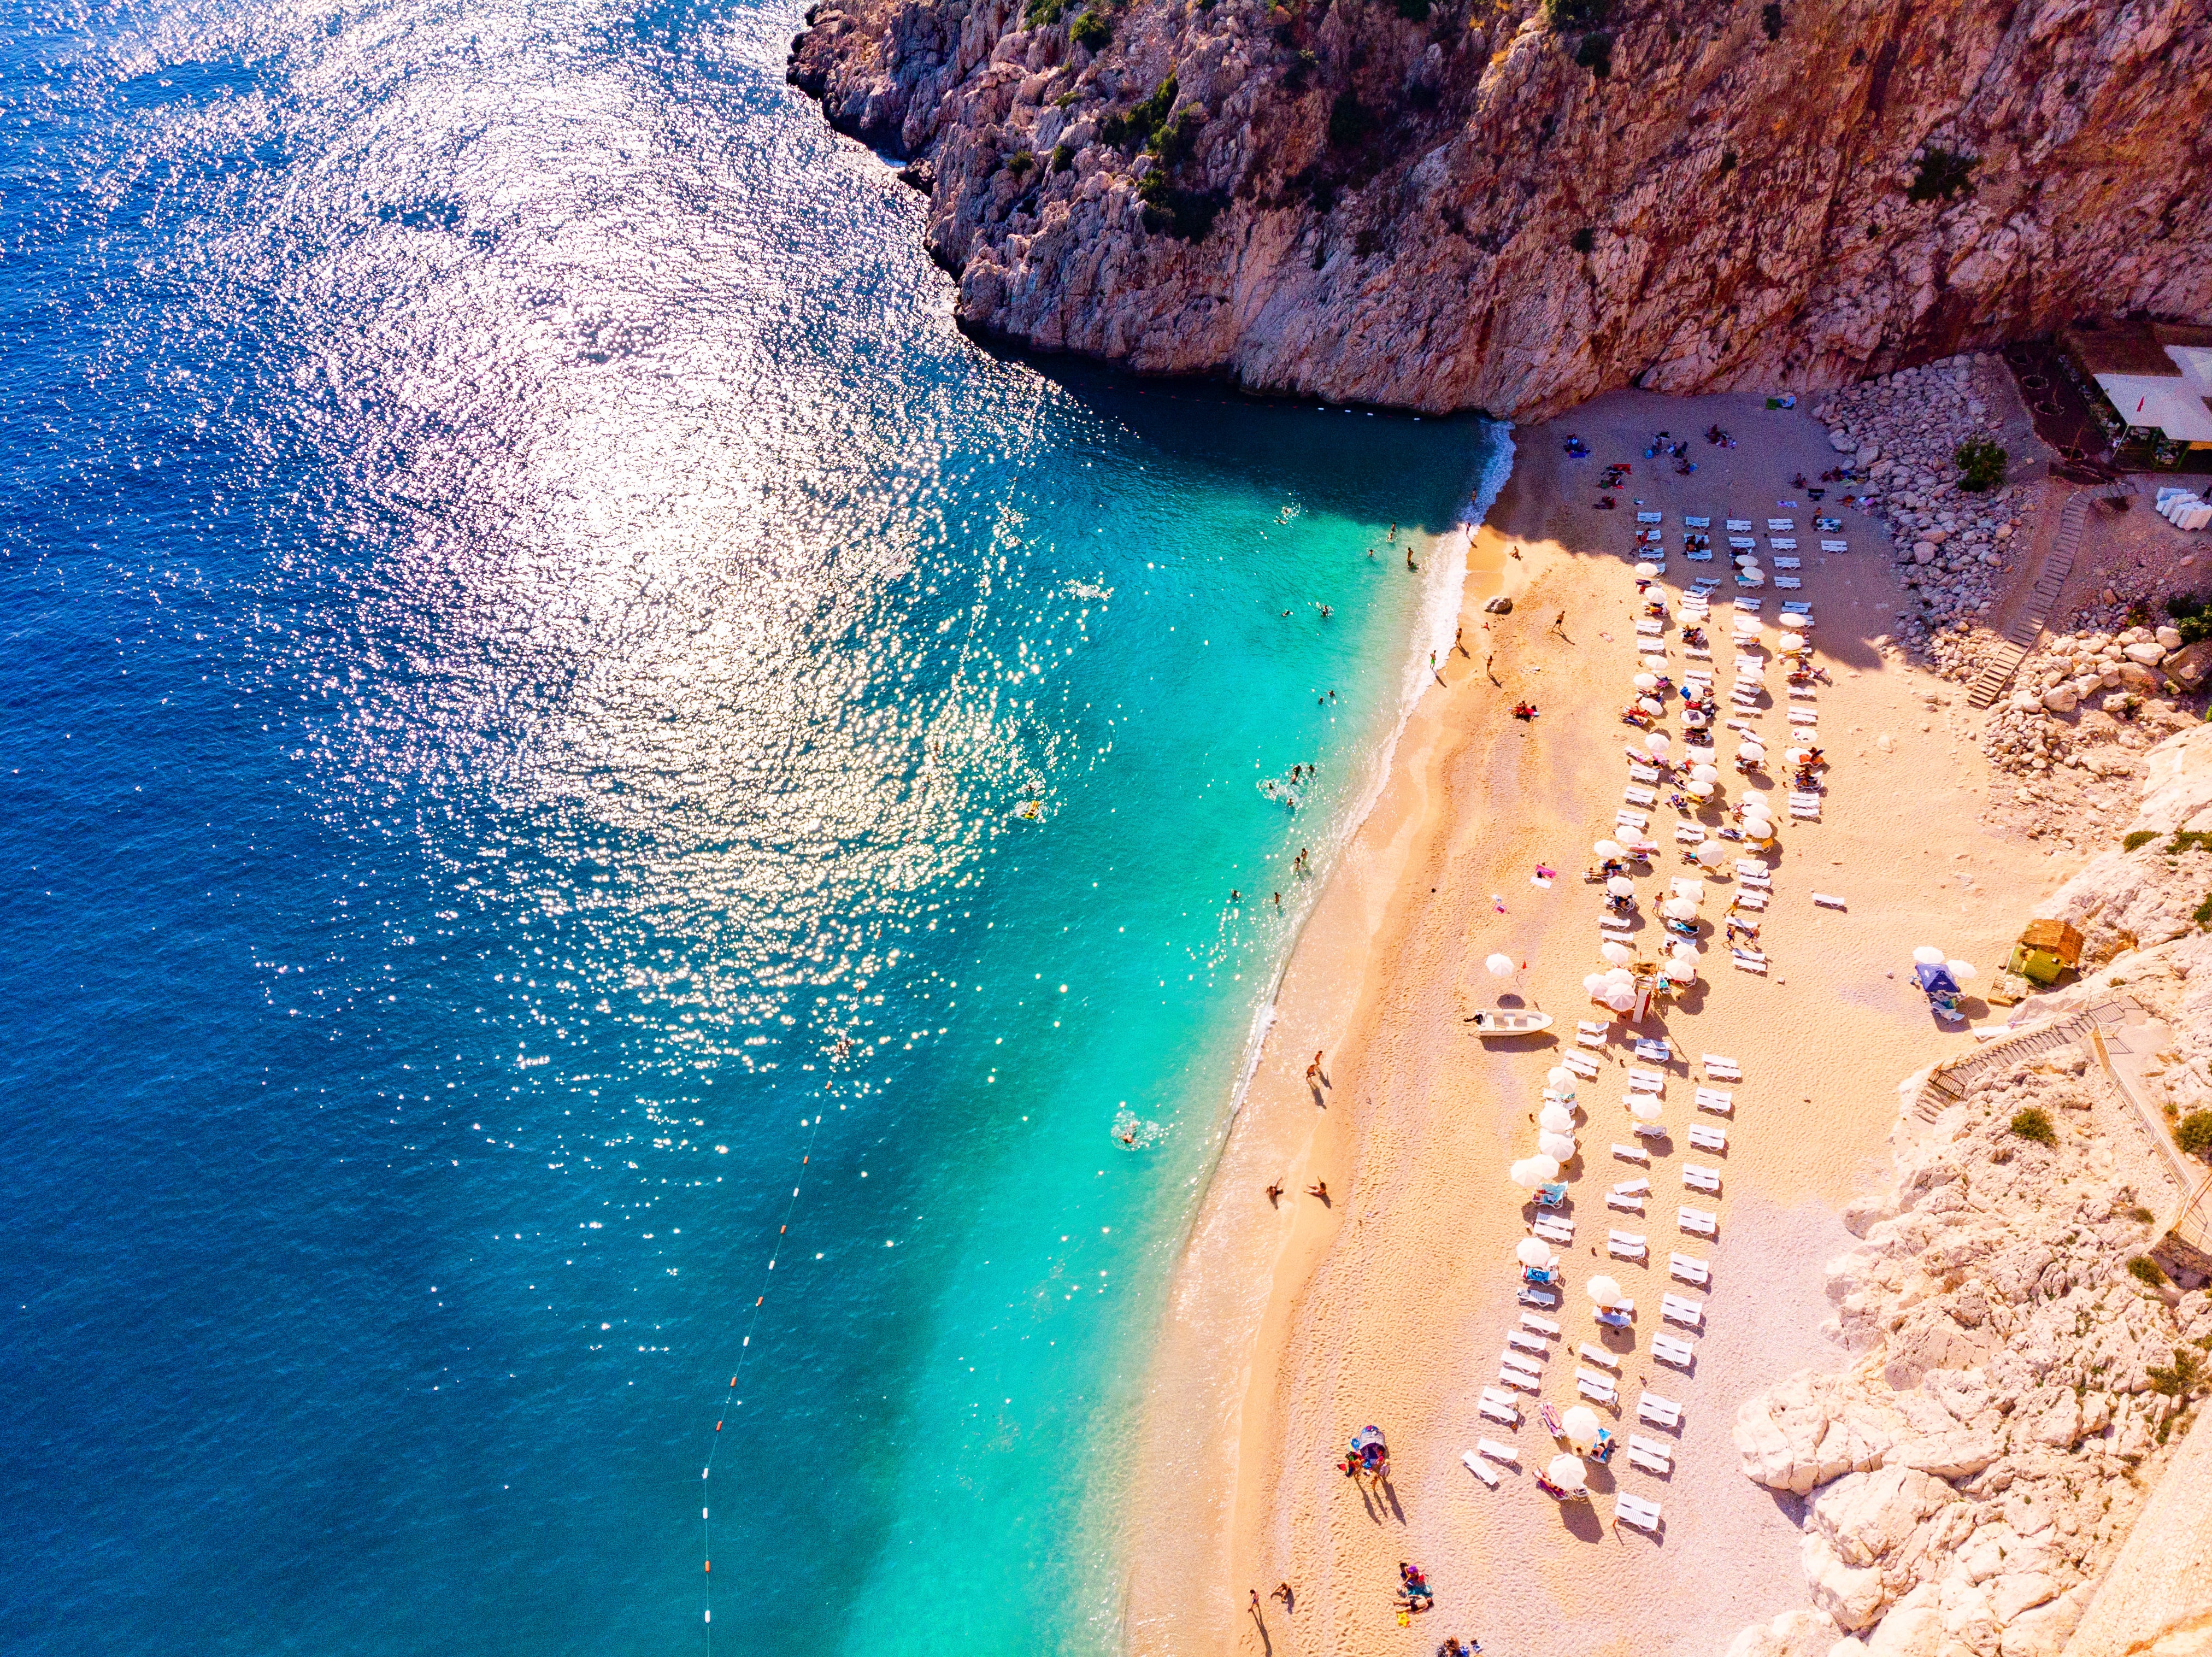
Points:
(1290, 1326)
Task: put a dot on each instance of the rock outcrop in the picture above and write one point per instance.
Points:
(1514, 205)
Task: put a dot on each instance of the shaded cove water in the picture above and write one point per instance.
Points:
(544, 679)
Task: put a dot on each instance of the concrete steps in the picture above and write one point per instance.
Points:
(2050, 582)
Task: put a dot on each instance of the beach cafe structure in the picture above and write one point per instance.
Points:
(2157, 375)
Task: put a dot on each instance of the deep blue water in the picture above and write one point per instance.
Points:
(526, 638)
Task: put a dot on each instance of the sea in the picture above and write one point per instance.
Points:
(639, 880)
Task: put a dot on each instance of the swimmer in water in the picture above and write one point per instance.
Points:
(1410, 564)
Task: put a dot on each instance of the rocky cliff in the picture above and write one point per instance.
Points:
(1515, 204)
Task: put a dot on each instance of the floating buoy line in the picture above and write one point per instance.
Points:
(731, 1400)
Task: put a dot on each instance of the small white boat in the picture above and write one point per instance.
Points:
(1509, 1021)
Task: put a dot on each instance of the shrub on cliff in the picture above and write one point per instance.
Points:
(1981, 464)
(1188, 214)
(1349, 120)
(2033, 1123)
(1567, 16)
(1596, 53)
(2193, 1133)
(1138, 129)
(1942, 172)
(2191, 617)
(1413, 11)
(1092, 30)
(1021, 164)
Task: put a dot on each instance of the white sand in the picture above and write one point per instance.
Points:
(1290, 1328)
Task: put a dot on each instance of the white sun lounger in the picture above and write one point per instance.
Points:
(1626, 1244)
(1515, 1378)
(1673, 1349)
(1615, 924)
(1598, 1355)
(1751, 868)
(1519, 1365)
(1635, 820)
(1802, 609)
(1588, 1034)
(1631, 1154)
(1747, 963)
(1624, 1202)
(1697, 1177)
(1585, 1067)
(1804, 716)
(1788, 564)
(1645, 1082)
(1808, 814)
(1648, 1131)
(1553, 1229)
(1540, 1323)
(1474, 1466)
(1635, 796)
(1703, 1221)
(1642, 774)
(1705, 1138)
(1497, 1452)
(1625, 1308)
(1743, 524)
(1681, 1309)
(1660, 1412)
(1651, 517)
(1526, 1342)
(1591, 1384)
(1782, 543)
(1651, 1447)
(1506, 1415)
(1639, 1186)
(1749, 898)
(1788, 583)
(1719, 1100)
(1647, 1461)
(1697, 653)
(1785, 524)
(1835, 546)
(1635, 1510)
(1748, 605)
(1798, 799)
(1828, 900)
(1743, 544)
(1805, 692)
(1689, 1269)
(1722, 1069)
(1655, 1048)
(1648, 626)
(1689, 834)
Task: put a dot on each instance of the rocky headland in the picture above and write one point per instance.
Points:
(1513, 205)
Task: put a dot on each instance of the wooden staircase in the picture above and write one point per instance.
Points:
(2050, 582)
(1947, 1083)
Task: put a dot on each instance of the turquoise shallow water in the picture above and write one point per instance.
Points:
(528, 638)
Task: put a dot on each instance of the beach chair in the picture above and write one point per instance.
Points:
(1788, 564)
(1648, 1131)
(1554, 1229)
(1632, 1153)
(1718, 1069)
(1780, 544)
(1625, 1203)
(1804, 799)
(1673, 1349)
(1635, 796)
(1718, 1100)
(1641, 1081)
(1702, 1223)
(1681, 1309)
(1827, 523)
(1748, 899)
(1689, 1269)
(1705, 1138)
(1626, 1244)
(1788, 583)
(1513, 1360)
(1506, 1414)
(1660, 1412)
(1805, 813)
(1800, 608)
(1748, 605)
(1783, 525)
(1513, 1377)
(1804, 716)
(1497, 1452)
(1697, 557)
(1647, 624)
(1651, 517)
(1643, 774)
(1639, 1456)
(1588, 1034)
(1743, 524)
(1828, 900)
(1598, 1355)
(1585, 1067)
(1689, 834)
(1697, 1177)
(1747, 960)
(1541, 1324)
(1591, 1384)
(1526, 1343)
(1743, 544)
(1835, 546)
(1615, 924)
(1635, 1510)
(1631, 819)
(1696, 523)
(1475, 1467)
(1805, 692)
(1655, 1049)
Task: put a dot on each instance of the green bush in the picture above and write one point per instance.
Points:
(1039, 13)
(1175, 141)
(1022, 164)
(2142, 1216)
(2144, 1270)
(1413, 11)
(1092, 31)
(1188, 214)
(2202, 913)
(2185, 1376)
(1567, 16)
(2033, 1123)
(2191, 617)
(1981, 464)
(2193, 1133)
(2137, 838)
(1942, 172)
(1348, 121)
(1063, 157)
(1596, 53)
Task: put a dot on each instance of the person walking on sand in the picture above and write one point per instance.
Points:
(1319, 1188)
(1282, 1592)
(1459, 637)
(1275, 1194)
(1313, 1070)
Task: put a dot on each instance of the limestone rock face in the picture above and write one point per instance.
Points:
(1454, 212)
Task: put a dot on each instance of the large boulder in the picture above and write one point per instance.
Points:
(2145, 651)
(1810, 1429)
(1914, 1627)
(1853, 1594)
(1799, 1633)
(1865, 1516)
(2191, 663)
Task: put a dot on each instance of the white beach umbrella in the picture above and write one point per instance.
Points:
(1620, 976)
(1559, 1147)
(1711, 854)
(1755, 805)
(1533, 1251)
(1694, 722)
(1618, 953)
(1621, 886)
(1650, 704)
(1620, 999)
(1655, 743)
(1962, 971)
(1579, 1427)
(1556, 1118)
(1568, 1474)
(1602, 1291)
(1750, 752)
(1927, 955)
(1701, 790)
(1646, 571)
(1690, 887)
(1524, 1174)
(1547, 1168)
(1683, 969)
(1705, 773)
(1683, 950)
(1558, 1075)
(1644, 1108)
(1594, 983)
(1501, 967)
(1608, 848)
(1679, 909)
(1647, 681)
